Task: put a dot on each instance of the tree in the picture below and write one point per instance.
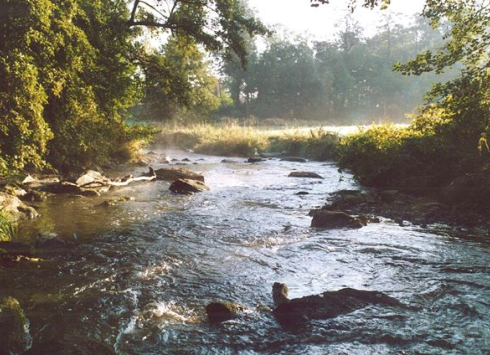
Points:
(352, 3)
(218, 25)
(178, 82)
(68, 72)
(286, 82)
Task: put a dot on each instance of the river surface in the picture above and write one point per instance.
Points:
(149, 265)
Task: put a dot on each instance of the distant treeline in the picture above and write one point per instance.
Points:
(346, 80)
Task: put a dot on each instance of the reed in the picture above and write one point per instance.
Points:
(233, 139)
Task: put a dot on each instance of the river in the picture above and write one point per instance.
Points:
(149, 265)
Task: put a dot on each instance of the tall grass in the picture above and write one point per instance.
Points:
(8, 228)
(233, 139)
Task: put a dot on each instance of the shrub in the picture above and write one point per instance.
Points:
(317, 144)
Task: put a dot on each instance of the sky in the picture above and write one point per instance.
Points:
(299, 17)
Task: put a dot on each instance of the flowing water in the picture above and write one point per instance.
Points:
(149, 265)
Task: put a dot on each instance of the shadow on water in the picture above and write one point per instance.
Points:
(147, 267)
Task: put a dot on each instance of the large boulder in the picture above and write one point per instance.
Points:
(170, 174)
(334, 219)
(326, 305)
(305, 174)
(14, 328)
(223, 311)
(90, 177)
(15, 208)
(187, 187)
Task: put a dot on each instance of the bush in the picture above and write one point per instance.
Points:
(424, 155)
(317, 144)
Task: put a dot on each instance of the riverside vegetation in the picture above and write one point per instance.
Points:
(233, 139)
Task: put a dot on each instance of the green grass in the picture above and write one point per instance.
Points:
(232, 139)
(8, 228)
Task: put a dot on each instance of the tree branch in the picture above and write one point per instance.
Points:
(154, 9)
(133, 12)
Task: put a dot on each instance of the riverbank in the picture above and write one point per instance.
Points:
(236, 140)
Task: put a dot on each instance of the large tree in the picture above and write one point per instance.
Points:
(68, 72)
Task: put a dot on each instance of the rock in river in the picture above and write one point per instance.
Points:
(295, 159)
(174, 174)
(187, 187)
(334, 219)
(305, 174)
(223, 311)
(16, 208)
(328, 304)
(255, 160)
(14, 328)
(51, 243)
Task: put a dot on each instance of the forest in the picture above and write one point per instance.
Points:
(102, 71)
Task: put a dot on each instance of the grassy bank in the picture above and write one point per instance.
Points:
(236, 140)
(410, 158)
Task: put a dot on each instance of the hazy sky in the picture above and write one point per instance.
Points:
(300, 17)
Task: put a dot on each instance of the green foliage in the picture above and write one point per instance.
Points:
(218, 25)
(448, 136)
(69, 73)
(24, 133)
(178, 83)
(8, 228)
(418, 156)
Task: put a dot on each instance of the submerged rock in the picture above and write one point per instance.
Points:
(334, 219)
(328, 304)
(229, 161)
(294, 159)
(222, 311)
(305, 174)
(187, 187)
(255, 160)
(50, 243)
(14, 328)
(170, 174)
